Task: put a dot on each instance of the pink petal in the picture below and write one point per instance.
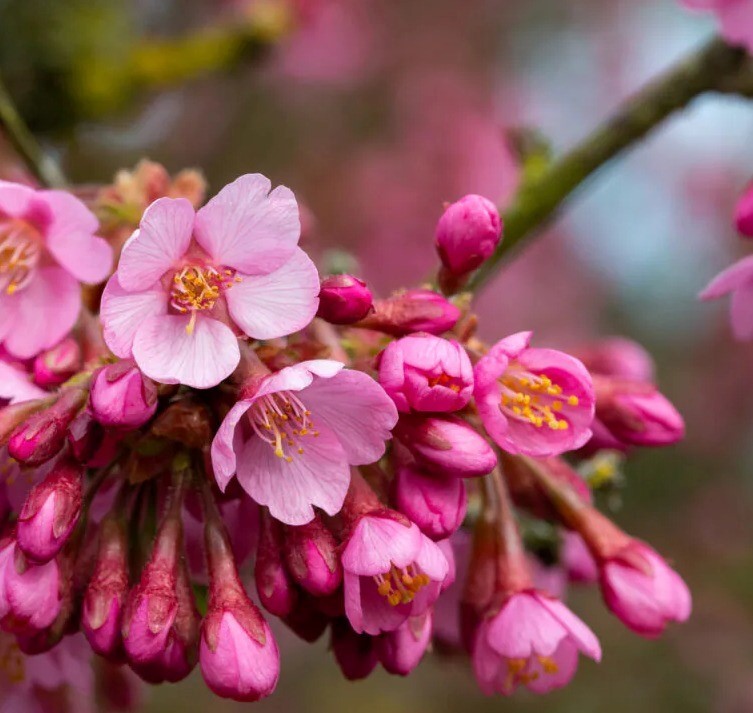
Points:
(71, 240)
(248, 228)
(15, 199)
(565, 658)
(357, 409)
(730, 279)
(431, 560)
(741, 312)
(379, 542)
(44, 312)
(161, 241)
(581, 635)
(167, 353)
(16, 385)
(368, 611)
(319, 477)
(274, 305)
(223, 445)
(122, 313)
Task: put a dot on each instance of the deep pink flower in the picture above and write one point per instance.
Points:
(344, 299)
(392, 572)
(735, 18)
(643, 590)
(534, 641)
(744, 211)
(312, 558)
(121, 396)
(538, 402)
(355, 653)
(737, 281)
(417, 310)
(47, 245)
(400, 651)
(422, 372)
(467, 233)
(618, 357)
(189, 283)
(292, 441)
(57, 364)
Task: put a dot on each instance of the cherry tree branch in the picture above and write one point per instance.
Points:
(715, 67)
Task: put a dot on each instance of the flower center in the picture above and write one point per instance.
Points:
(20, 250)
(534, 398)
(284, 422)
(445, 380)
(519, 670)
(401, 584)
(198, 287)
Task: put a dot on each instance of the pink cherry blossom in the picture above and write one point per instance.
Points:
(47, 246)
(16, 384)
(537, 402)
(643, 590)
(737, 281)
(735, 18)
(292, 441)
(392, 572)
(400, 651)
(189, 283)
(422, 372)
(534, 641)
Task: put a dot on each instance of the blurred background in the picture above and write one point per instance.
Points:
(377, 111)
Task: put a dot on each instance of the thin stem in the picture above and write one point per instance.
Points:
(715, 67)
(44, 168)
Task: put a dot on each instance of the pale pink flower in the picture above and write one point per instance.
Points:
(391, 572)
(538, 402)
(737, 281)
(292, 441)
(643, 590)
(422, 372)
(47, 246)
(735, 18)
(533, 641)
(189, 283)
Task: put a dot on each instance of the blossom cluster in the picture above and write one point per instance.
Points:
(229, 434)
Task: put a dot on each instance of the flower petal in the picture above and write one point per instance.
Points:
(16, 385)
(731, 278)
(741, 312)
(15, 199)
(319, 477)
(162, 239)
(122, 313)
(279, 303)
(166, 352)
(248, 228)
(223, 445)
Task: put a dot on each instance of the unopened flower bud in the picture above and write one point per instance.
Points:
(307, 620)
(14, 415)
(467, 234)
(744, 213)
(58, 364)
(121, 396)
(446, 445)
(107, 591)
(344, 299)
(618, 357)
(273, 584)
(312, 558)
(355, 653)
(90, 443)
(422, 372)
(42, 436)
(400, 651)
(50, 512)
(435, 503)
(412, 311)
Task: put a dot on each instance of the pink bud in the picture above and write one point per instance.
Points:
(355, 653)
(307, 620)
(642, 590)
(436, 504)
(312, 558)
(446, 445)
(121, 396)
(344, 299)
(90, 444)
(467, 234)
(618, 357)
(58, 364)
(276, 591)
(107, 591)
(636, 414)
(14, 415)
(744, 213)
(412, 311)
(42, 436)
(578, 561)
(422, 372)
(50, 512)
(400, 651)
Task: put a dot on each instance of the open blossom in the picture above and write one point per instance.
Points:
(737, 281)
(422, 372)
(391, 572)
(292, 440)
(538, 402)
(735, 18)
(533, 641)
(189, 283)
(47, 246)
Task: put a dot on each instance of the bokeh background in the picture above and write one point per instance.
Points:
(377, 111)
